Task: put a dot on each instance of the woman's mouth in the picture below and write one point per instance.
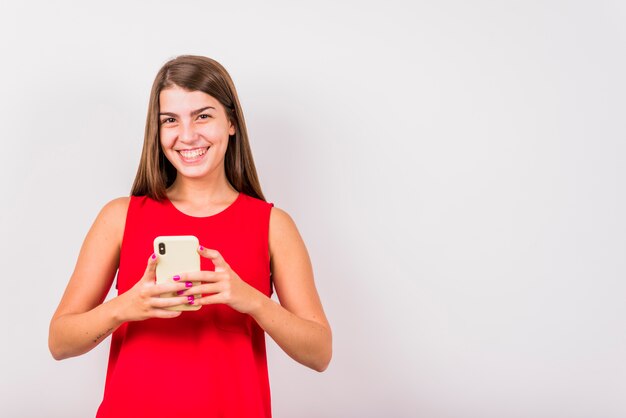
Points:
(192, 155)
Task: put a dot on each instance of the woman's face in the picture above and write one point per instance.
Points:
(194, 131)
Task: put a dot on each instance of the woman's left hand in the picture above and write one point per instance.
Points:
(221, 286)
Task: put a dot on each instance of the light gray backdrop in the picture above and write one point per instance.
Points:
(455, 167)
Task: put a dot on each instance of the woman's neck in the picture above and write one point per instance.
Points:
(201, 192)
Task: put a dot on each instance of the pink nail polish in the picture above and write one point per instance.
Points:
(190, 299)
(201, 248)
(188, 284)
(153, 256)
(176, 278)
(180, 292)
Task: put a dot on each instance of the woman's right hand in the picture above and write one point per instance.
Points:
(144, 299)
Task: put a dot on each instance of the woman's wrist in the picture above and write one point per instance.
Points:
(115, 311)
(259, 305)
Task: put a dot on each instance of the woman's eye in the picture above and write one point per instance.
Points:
(203, 116)
(168, 120)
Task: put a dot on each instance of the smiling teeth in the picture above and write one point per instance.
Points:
(189, 154)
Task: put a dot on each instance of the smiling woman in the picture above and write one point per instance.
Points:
(196, 142)
(196, 177)
(194, 89)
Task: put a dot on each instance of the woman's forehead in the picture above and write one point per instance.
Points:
(177, 97)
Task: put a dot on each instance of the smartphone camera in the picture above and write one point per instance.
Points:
(161, 248)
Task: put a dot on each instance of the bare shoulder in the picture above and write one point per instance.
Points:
(280, 219)
(292, 272)
(286, 244)
(108, 227)
(113, 214)
(283, 229)
(97, 260)
(116, 208)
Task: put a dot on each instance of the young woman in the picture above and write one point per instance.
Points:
(196, 177)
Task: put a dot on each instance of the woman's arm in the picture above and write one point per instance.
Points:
(298, 324)
(82, 321)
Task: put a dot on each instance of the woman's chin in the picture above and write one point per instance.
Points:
(196, 172)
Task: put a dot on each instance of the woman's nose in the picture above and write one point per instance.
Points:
(187, 133)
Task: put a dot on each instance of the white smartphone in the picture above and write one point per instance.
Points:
(177, 254)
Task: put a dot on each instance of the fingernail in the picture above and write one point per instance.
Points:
(176, 278)
(153, 256)
(180, 292)
(190, 299)
(188, 284)
(201, 248)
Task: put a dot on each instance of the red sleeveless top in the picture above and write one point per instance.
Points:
(205, 363)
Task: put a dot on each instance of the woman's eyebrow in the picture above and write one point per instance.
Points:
(193, 113)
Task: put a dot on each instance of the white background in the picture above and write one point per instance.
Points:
(455, 167)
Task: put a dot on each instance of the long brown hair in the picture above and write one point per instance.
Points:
(194, 73)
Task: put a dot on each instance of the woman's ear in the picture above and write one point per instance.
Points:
(231, 129)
